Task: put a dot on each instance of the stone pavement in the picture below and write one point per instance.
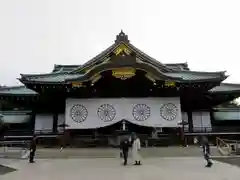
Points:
(168, 168)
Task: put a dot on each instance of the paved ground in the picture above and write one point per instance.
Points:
(174, 168)
(229, 160)
(192, 151)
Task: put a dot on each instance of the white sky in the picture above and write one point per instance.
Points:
(35, 35)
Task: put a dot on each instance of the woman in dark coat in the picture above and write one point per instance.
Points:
(206, 151)
(33, 146)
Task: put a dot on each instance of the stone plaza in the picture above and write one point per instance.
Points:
(155, 166)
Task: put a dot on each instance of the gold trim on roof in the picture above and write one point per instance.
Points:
(124, 73)
(122, 48)
(170, 84)
(77, 84)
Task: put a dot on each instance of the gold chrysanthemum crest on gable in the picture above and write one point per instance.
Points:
(123, 73)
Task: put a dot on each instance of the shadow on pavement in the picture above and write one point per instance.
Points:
(5, 170)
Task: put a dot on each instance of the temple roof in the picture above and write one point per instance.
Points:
(69, 68)
(178, 71)
(17, 90)
(182, 75)
(23, 90)
(226, 88)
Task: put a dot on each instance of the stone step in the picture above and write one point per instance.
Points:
(112, 152)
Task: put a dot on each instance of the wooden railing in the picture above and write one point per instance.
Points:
(216, 129)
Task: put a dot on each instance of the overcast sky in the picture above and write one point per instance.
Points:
(35, 35)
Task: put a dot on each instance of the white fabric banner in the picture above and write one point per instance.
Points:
(44, 122)
(96, 113)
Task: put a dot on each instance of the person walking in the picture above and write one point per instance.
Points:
(206, 151)
(124, 146)
(136, 146)
(33, 147)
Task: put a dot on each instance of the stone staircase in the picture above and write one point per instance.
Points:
(48, 153)
(228, 147)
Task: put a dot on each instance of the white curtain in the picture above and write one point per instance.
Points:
(61, 121)
(201, 121)
(44, 123)
(185, 119)
(95, 113)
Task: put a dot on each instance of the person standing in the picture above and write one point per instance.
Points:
(136, 146)
(33, 146)
(206, 151)
(125, 144)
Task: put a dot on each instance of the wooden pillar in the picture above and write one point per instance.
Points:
(55, 123)
(190, 121)
(33, 119)
(190, 127)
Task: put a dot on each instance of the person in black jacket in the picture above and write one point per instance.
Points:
(206, 151)
(124, 146)
(33, 146)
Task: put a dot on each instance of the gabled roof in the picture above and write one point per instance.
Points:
(17, 90)
(123, 38)
(179, 72)
(185, 76)
(69, 68)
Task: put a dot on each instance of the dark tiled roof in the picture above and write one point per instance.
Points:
(183, 75)
(226, 87)
(69, 68)
(22, 90)
(18, 90)
(178, 66)
(180, 70)
(51, 77)
(194, 75)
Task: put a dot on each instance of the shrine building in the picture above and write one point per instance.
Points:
(122, 89)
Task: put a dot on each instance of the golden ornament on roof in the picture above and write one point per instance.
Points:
(122, 48)
(77, 84)
(169, 84)
(123, 73)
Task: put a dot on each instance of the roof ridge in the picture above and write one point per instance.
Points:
(185, 63)
(12, 87)
(66, 65)
(96, 57)
(147, 56)
(46, 74)
(200, 72)
(230, 84)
